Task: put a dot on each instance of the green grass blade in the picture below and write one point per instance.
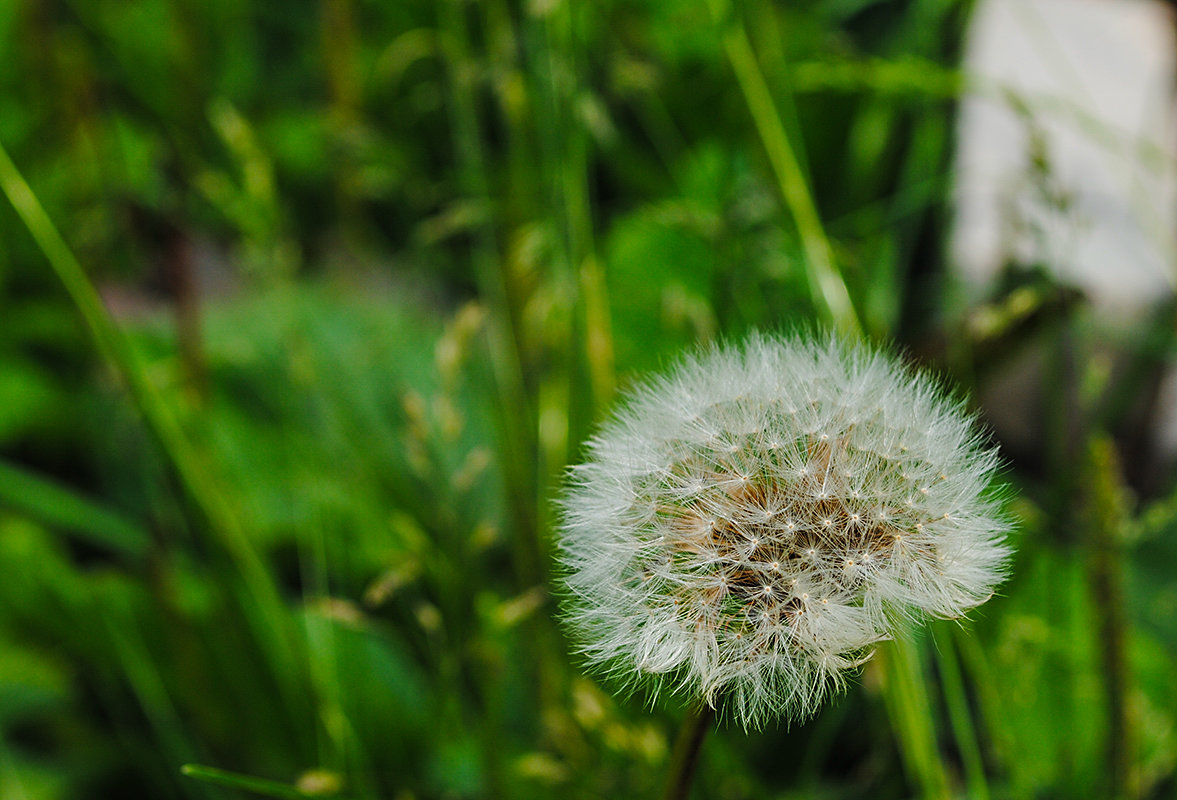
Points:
(961, 717)
(271, 624)
(829, 292)
(117, 352)
(246, 783)
(53, 504)
(516, 413)
(906, 697)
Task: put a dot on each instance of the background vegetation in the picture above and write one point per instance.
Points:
(354, 279)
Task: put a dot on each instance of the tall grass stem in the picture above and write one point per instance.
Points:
(961, 717)
(1105, 517)
(206, 496)
(828, 289)
(906, 697)
(116, 351)
(515, 410)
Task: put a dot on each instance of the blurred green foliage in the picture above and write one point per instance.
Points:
(384, 264)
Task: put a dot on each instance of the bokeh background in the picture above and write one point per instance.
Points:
(306, 306)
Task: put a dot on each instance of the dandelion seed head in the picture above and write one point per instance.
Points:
(743, 529)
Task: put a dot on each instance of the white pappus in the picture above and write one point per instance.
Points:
(745, 528)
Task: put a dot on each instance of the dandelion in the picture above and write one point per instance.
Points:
(745, 529)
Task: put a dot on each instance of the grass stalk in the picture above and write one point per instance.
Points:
(906, 697)
(961, 718)
(515, 413)
(827, 288)
(568, 151)
(1106, 515)
(272, 626)
(116, 351)
(246, 783)
(52, 503)
(974, 663)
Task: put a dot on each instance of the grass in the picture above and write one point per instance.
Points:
(302, 548)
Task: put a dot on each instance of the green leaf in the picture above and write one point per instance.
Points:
(52, 504)
(247, 783)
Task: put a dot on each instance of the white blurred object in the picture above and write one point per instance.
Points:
(1087, 88)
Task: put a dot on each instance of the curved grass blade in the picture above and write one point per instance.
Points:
(248, 783)
(53, 504)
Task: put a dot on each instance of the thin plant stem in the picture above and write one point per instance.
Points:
(516, 414)
(961, 718)
(826, 285)
(246, 783)
(566, 160)
(206, 497)
(116, 351)
(685, 756)
(906, 696)
(516, 411)
(186, 311)
(1105, 517)
(975, 665)
(339, 44)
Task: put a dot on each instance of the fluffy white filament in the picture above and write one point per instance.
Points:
(747, 527)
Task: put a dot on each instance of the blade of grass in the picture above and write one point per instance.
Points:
(516, 412)
(974, 663)
(116, 351)
(247, 783)
(961, 718)
(266, 613)
(1105, 516)
(830, 296)
(145, 676)
(568, 152)
(906, 697)
(53, 504)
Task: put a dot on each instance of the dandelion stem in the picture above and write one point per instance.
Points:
(686, 751)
